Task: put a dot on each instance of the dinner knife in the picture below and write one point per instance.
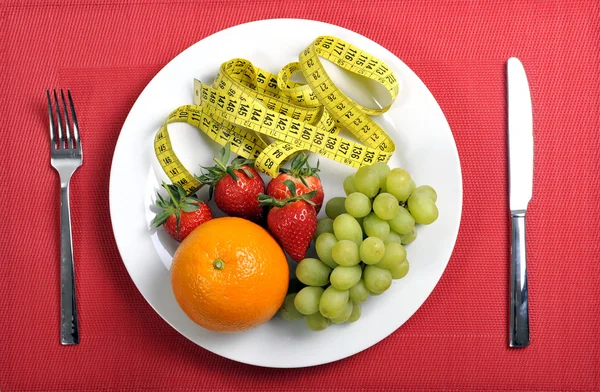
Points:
(520, 150)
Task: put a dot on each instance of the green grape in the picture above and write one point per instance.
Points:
(333, 301)
(358, 205)
(400, 184)
(345, 227)
(356, 312)
(313, 272)
(367, 181)
(399, 271)
(343, 278)
(382, 171)
(359, 292)
(346, 253)
(395, 254)
(324, 245)
(422, 208)
(375, 226)
(403, 222)
(393, 237)
(427, 190)
(316, 322)
(371, 250)
(342, 318)
(410, 236)
(288, 310)
(324, 225)
(307, 300)
(335, 207)
(376, 279)
(349, 186)
(385, 206)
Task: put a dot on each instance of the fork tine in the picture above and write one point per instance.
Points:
(58, 122)
(52, 133)
(75, 124)
(67, 130)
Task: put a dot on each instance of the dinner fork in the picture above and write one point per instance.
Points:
(65, 156)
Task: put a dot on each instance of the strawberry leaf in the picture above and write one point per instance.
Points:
(299, 161)
(232, 174)
(300, 168)
(177, 214)
(189, 207)
(291, 186)
(224, 154)
(213, 175)
(180, 191)
(171, 190)
(307, 196)
(303, 181)
(161, 218)
(160, 201)
(266, 200)
(191, 199)
(311, 194)
(247, 172)
(312, 203)
(316, 169)
(241, 161)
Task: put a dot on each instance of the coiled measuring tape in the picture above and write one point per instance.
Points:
(268, 117)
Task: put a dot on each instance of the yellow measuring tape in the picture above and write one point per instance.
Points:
(268, 117)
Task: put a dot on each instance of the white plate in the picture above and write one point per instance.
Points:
(426, 149)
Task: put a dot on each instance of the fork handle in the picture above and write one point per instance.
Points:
(69, 330)
(519, 310)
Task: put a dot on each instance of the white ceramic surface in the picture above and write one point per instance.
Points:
(425, 147)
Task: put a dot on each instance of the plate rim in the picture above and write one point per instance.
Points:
(120, 245)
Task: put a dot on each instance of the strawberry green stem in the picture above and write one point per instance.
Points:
(232, 173)
(220, 164)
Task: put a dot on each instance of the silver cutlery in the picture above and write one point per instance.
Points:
(65, 156)
(520, 146)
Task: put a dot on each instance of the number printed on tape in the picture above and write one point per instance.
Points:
(245, 104)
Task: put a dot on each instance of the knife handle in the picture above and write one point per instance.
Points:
(519, 312)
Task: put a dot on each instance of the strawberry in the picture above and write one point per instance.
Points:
(235, 187)
(180, 214)
(303, 176)
(292, 221)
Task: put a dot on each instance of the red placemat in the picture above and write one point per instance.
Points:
(107, 51)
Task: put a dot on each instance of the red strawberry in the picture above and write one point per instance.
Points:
(235, 187)
(180, 214)
(292, 221)
(303, 176)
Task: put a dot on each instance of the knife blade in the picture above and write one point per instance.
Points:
(520, 136)
(520, 150)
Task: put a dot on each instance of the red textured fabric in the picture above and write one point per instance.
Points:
(107, 51)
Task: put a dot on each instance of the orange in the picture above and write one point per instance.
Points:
(229, 275)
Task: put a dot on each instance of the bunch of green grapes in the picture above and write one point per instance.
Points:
(360, 245)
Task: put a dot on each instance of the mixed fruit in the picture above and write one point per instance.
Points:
(294, 198)
(359, 244)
